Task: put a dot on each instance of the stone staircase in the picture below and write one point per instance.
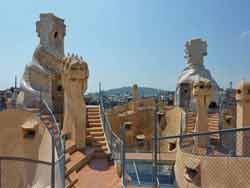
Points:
(75, 160)
(213, 125)
(96, 137)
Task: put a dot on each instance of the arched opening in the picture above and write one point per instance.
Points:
(55, 34)
(59, 88)
(172, 146)
(213, 105)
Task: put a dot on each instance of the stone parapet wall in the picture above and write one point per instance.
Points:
(215, 171)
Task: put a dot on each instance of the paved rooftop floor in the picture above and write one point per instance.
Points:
(99, 173)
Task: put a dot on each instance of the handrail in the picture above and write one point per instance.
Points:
(59, 145)
(110, 135)
(61, 148)
(205, 133)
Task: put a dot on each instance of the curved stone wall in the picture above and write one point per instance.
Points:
(12, 143)
(215, 171)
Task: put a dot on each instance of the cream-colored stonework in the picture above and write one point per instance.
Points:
(12, 143)
(42, 75)
(215, 171)
(60, 81)
(195, 50)
(75, 76)
(142, 119)
(243, 117)
(203, 93)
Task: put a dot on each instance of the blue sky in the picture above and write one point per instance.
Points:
(127, 41)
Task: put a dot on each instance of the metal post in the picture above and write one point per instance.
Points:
(111, 142)
(63, 166)
(100, 92)
(181, 128)
(155, 152)
(1, 172)
(123, 155)
(40, 96)
(53, 162)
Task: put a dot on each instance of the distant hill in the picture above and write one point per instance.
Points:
(143, 91)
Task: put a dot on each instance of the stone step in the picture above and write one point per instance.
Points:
(189, 130)
(77, 161)
(213, 125)
(213, 115)
(94, 129)
(93, 109)
(71, 184)
(216, 137)
(33, 110)
(92, 106)
(93, 113)
(90, 116)
(94, 124)
(46, 121)
(49, 126)
(94, 121)
(99, 143)
(95, 138)
(70, 147)
(71, 178)
(43, 117)
(101, 149)
(96, 133)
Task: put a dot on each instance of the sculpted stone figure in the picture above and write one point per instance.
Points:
(42, 75)
(203, 92)
(195, 51)
(75, 76)
(60, 81)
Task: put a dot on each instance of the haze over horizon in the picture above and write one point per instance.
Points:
(126, 42)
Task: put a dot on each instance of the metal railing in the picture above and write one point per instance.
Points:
(113, 140)
(57, 167)
(58, 141)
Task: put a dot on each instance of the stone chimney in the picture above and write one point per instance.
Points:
(202, 92)
(51, 30)
(243, 118)
(195, 50)
(135, 96)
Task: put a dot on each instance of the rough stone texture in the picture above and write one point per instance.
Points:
(215, 171)
(43, 73)
(243, 118)
(203, 93)
(173, 121)
(75, 76)
(195, 50)
(57, 79)
(12, 143)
